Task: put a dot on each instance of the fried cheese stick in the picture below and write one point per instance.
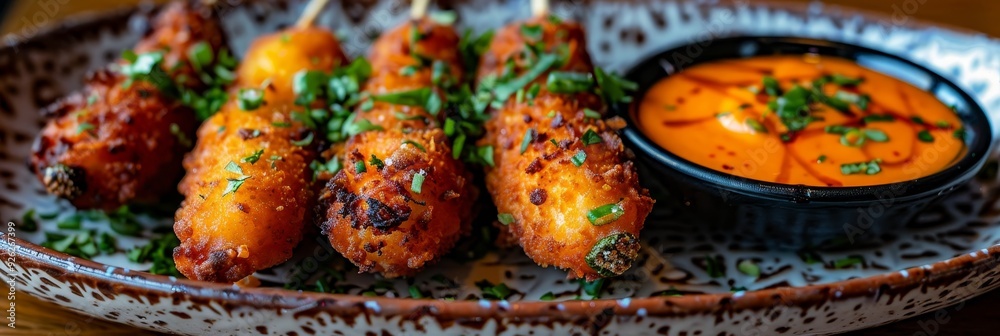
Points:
(402, 199)
(563, 183)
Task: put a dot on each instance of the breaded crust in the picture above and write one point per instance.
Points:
(537, 182)
(228, 236)
(379, 218)
(113, 143)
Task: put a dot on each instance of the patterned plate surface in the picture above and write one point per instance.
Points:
(687, 279)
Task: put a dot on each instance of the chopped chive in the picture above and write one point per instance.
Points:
(367, 105)
(876, 135)
(531, 32)
(748, 267)
(848, 262)
(415, 144)
(579, 158)
(605, 214)
(756, 125)
(84, 127)
(408, 70)
(925, 136)
(250, 99)
(505, 218)
(878, 118)
(415, 292)
(305, 141)
(418, 182)
(959, 133)
(821, 159)
(713, 267)
(867, 168)
(529, 136)
(771, 86)
(917, 120)
(588, 113)
(548, 296)
(359, 167)
(281, 124)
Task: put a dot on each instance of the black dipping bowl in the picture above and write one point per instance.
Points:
(797, 216)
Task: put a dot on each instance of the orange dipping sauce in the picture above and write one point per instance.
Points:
(801, 120)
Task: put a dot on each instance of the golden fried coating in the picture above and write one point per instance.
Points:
(381, 219)
(278, 57)
(229, 232)
(114, 143)
(402, 200)
(568, 185)
(178, 29)
(247, 189)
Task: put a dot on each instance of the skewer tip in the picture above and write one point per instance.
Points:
(539, 7)
(311, 12)
(419, 8)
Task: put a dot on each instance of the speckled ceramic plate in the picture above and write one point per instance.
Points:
(687, 280)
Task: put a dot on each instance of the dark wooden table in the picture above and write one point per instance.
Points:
(977, 317)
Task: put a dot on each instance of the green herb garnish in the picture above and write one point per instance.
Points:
(505, 218)
(605, 214)
(867, 168)
(418, 182)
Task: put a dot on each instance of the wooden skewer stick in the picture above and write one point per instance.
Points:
(539, 7)
(419, 8)
(313, 8)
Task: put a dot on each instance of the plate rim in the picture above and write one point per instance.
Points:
(33, 256)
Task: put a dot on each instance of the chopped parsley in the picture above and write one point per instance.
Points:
(159, 251)
(304, 141)
(713, 266)
(613, 88)
(28, 221)
(234, 184)
(756, 125)
(848, 262)
(250, 99)
(496, 292)
(253, 157)
(878, 118)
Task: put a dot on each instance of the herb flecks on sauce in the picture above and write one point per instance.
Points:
(825, 122)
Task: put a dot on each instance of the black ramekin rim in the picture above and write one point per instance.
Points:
(974, 118)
